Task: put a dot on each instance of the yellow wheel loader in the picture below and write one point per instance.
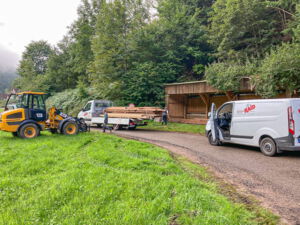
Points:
(25, 116)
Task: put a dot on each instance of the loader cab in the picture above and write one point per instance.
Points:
(33, 104)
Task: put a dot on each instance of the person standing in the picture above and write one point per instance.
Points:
(105, 121)
(165, 117)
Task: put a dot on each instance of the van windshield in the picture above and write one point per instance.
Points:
(226, 109)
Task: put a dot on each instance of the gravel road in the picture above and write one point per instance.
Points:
(275, 181)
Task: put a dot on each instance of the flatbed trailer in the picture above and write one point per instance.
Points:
(118, 117)
(119, 123)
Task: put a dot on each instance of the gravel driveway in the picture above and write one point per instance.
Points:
(275, 181)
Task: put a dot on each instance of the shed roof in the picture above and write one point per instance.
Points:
(202, 87)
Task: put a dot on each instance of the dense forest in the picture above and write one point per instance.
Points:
(6, 78)
(126, 50)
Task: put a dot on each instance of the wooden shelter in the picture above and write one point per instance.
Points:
(190, 102)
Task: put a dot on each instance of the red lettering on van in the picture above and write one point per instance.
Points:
(249, 108)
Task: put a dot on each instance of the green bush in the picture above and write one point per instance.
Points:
(226, 76)
(280, 70)
(73, 100)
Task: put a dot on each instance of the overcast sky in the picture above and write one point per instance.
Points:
(23, 21)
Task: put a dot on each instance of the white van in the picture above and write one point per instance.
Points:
(271, 124)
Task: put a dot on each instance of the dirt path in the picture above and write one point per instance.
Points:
(274, 181)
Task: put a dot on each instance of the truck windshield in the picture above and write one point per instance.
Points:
(100, 105)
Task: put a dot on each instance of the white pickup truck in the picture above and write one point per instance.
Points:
(93, 111)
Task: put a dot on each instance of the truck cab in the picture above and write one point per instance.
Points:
(94, 108)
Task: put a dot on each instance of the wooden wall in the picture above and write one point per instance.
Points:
(196, 108)
(176, 106)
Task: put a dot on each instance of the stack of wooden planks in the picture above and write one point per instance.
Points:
(134, 112)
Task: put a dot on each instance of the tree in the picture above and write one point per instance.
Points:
(81, 34)
(116, 24)
(145, 84)
(244, 28)
(6, 79)
(279, 71)
(60, 73)
(34, 59)
(33, 66)
(181, 29)
(226, 76)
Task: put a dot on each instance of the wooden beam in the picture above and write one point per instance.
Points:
(229, 95)
(204, 98)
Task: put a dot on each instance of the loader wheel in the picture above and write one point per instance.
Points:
(29, 130)
(70, 128)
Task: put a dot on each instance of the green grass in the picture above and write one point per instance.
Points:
(175, 127)
(96, 178)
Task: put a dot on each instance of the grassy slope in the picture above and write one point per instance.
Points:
(101, 179)
(176, 127)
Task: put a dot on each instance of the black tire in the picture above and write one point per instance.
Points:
(132, 128)
(268, 146)
(70, 128)
(29, 131)
(210, 140)
(15, 134)
(99, 125)
(53, 131)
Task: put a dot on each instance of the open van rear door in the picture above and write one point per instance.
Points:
(294, 121)
(213, 124)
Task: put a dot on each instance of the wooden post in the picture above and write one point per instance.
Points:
(206, 101)
(167, 101)
(185, 102)
(288, 94)
(229, 95)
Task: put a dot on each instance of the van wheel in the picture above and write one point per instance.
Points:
(28, 131)
(211, 141)
(268, 146)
